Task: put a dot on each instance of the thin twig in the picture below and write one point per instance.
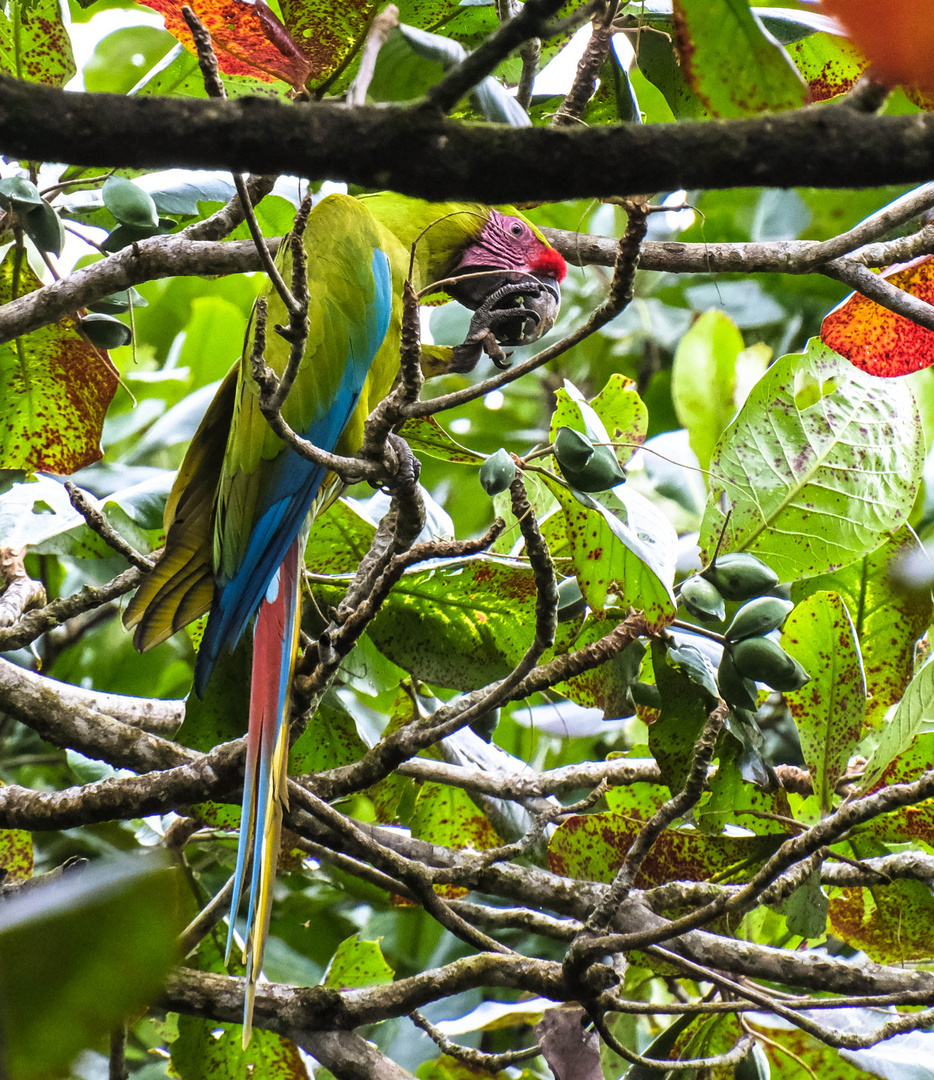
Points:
(99, 524)
(476, 1059)
(214, 88)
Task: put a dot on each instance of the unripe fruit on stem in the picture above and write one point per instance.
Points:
(764, 660)
(758, 617)
(702, 599)
(740, 576)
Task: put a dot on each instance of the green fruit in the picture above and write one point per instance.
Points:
(734, 688)
(124, 235)
(19, 193)
(105, 331)
(759, 617)
(572, 449)
(585, 466)
(601, 473)
(44, 228)
(129, 204)
(764, 660)
(118, 302)
(739, 576)
(702, 599)
(571, 602)
(497, 472)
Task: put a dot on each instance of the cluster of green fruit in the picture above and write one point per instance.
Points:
(749, 655)
(137, 218)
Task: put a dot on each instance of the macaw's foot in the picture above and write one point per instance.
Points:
(515, 313)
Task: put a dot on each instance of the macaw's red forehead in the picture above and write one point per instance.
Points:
(509, 242)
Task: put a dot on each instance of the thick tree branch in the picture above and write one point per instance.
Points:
(418, 152)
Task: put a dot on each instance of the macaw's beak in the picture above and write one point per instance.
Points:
(510, 308)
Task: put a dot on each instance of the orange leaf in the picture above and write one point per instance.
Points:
(249, 39)
(897, 36)
(877, 340)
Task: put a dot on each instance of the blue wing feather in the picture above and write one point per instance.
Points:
(292, 486)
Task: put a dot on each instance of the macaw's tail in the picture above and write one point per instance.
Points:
(265, 783)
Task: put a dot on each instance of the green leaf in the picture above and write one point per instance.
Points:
(55, 387)
(892, 923)
(821, 463)
(66, 949)
(16, 855)
(121, 59)
(207, 1050)
(829, 710)
(829, 64)
(733, 66)
(623, 415)
(913, 710)
(806, 908)
(34, 44)
(460, 624)
(356, 964)
(703, 380)
(425, 435)
(330, 740)
(44, 228)
(592, 847)
(447, 815)
(888, 621)
(338, 540)
(621, 546)
(684, 708)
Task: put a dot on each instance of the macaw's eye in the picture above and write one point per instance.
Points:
(516, 228)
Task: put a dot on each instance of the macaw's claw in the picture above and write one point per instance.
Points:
(518, 311)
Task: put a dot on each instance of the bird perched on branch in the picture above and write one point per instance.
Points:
(238, 515)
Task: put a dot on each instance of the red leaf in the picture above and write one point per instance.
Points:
(248, 38)
(896, 35)
(877, 340)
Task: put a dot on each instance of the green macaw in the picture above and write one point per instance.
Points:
(237, 518)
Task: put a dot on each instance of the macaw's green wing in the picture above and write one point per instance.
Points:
(181, 586)
(265, 491)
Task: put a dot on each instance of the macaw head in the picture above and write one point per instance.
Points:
(510, 276)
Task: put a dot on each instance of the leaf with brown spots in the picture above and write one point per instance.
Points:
(913, 710)
(207, 1050)
(829, 710)
(897, 36)
(877, 340)
(907, 823)
(593, 846)
(892, 924)
(460, 624)
(248, 38)
(448, 816)
(730, 62)
(888, 622)
(831, 65)
(34, 44)
(16, 855)
(821, 464)
(55, 388)
(338, 540)
(356, 964)
(328, 34)
(330, 740)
